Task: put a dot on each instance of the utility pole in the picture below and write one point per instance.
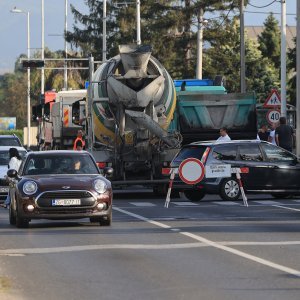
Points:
(89, 120)
(283, 58)
(242, 48)
(66, 49)
(199, 45)
(298, 81)
(138, 22)
(43, 50)
(104, 50)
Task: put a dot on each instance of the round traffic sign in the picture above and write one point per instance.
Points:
(191, 170)
(273, 116)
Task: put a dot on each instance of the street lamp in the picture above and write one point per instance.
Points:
(15, 10)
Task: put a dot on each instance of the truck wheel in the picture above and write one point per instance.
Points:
(282, 196)
(194, 196)
(160, 190)
(230, 190)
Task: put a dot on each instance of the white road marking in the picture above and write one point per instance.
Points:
(25, 251)
(185, 203)
(219, 246)
(279, 243)
(227, 203)
(290, 208)
(267, 202)
(142, 204)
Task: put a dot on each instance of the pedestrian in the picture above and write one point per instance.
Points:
(224, 137)
(79, 145)
(284, 135)
(271, 138)
(263, 133)
(79, 138)
(15, 161)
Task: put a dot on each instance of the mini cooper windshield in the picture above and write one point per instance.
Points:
(60, 164)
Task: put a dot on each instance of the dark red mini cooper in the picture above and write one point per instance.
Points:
(59, 185)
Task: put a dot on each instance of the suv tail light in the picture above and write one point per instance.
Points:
(244, 170)
(165, 171)
(101, 165)
(205, 155)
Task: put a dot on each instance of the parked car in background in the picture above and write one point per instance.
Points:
(59, 185)
(4, 160)
(271, 169)
(10, 140)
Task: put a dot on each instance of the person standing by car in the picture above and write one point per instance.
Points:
(271, 138)
(14, 163)
(224, 137)
(263, 133)
(79, 138)
(284, 135)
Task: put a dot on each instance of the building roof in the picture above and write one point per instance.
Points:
(254, 31)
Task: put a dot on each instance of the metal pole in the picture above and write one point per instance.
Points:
(89, 105)
(66, 49)
(298, 81)
(199, 45)
(104, 50)
(28, 83)
(242, 48)
(283, 58)
(43, 49)
(138, 22)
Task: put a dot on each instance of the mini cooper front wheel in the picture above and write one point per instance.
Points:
(229, 189)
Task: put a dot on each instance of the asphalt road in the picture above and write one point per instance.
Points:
(207, 250)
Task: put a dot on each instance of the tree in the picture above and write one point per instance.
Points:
(224, 56)
(166, 25)
(291, 66)
(269, 40)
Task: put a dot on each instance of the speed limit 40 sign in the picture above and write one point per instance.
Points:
(273, 116)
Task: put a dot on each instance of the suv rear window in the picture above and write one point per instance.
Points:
(187, 152)
(10, 141)
(225, 152)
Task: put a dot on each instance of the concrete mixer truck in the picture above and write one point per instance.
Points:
(136, 123)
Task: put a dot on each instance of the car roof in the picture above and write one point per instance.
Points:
(214, 142)
(8, 135)
(55, 152)
(6, 148)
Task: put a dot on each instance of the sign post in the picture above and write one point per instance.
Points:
(191, 171)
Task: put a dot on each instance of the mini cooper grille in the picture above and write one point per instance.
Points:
(45, 199)
(65, 195)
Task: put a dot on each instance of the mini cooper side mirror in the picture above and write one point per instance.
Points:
(11, 173)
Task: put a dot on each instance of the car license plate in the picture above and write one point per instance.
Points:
(66, 202)
(4, 189)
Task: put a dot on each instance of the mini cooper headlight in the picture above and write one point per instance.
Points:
(29, 187)
(100, 186)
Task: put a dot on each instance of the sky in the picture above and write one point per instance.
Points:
(13, 26)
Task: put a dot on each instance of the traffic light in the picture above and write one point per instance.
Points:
(33, 64)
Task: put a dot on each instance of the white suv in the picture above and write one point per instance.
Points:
(4, 160)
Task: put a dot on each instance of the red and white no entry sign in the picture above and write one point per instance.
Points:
(191, 170)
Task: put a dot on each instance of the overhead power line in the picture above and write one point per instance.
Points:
(262, 6)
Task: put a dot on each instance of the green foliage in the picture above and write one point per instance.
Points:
(291, 66)
(269, 40)
(19, 133)
(223, 57)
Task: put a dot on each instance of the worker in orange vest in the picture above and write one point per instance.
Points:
(79, 138)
